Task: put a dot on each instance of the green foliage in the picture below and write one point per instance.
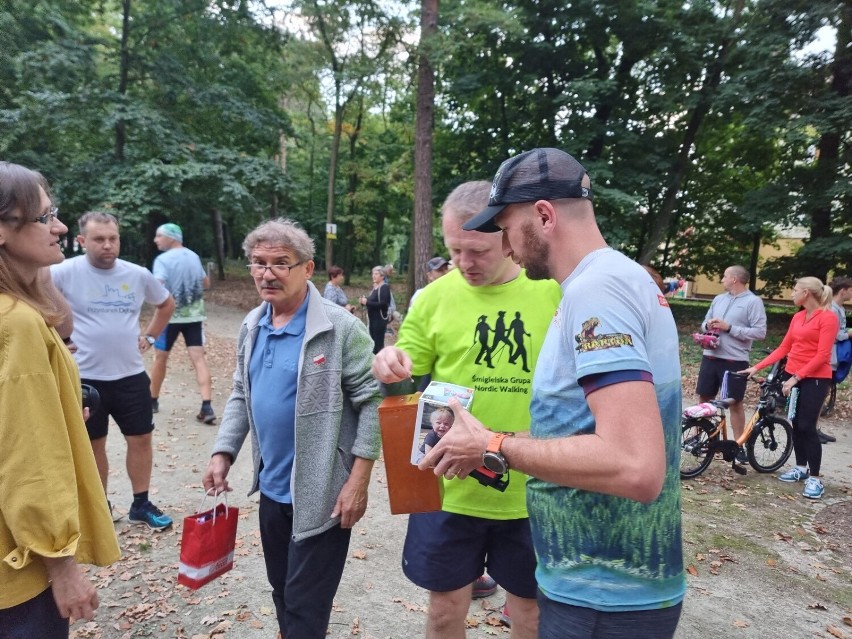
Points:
(703, 124)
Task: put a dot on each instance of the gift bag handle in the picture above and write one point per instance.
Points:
(223, 495)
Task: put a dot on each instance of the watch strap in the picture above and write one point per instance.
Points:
(496, 442)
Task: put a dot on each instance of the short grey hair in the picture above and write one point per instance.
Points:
(466, 200)
(98, 217)
(281, 232)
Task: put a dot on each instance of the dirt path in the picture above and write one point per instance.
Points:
(762, 567)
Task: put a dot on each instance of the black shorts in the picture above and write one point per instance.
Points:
(712, 372)
(128, 401)
(193, 335)
(445, 552)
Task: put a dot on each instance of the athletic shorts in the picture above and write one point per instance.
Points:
(711, 373)
(128, 401)
(193, 335)
(445, 552)
(564, 621)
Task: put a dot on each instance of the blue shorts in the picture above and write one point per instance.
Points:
(193, 335)
(564, 621)
(128, 400)
(445, 552)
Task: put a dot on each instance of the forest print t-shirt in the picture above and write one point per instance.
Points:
(598, 551)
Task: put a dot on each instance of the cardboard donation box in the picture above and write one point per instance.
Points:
(410, 490)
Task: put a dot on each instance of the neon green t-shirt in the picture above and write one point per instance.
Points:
(486, 338)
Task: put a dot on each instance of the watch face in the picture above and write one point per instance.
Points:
(495, 462)
(150, 340)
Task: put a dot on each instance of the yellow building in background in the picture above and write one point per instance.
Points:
(789, 241)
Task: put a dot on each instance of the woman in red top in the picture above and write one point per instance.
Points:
(807, 346)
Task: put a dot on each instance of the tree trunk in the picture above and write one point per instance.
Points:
(220, 243)
(332, 176)
(754, 256)
(424, 123)
(124, 64)
(678, 174)
(826, 169)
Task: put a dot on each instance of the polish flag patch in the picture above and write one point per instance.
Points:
(319, 359)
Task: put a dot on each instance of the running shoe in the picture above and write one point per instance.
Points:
(206, 415)
(483, 587)
(505, 619)
(149, 515)
(813, 488)
(794, 474)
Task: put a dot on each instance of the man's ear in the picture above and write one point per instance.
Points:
(81, 240)
(545, 214)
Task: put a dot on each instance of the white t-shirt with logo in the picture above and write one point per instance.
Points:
(106, 304)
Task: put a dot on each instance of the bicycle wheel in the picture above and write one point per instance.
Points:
(770, 444)
(695, 454)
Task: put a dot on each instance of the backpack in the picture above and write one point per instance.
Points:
(844, 360)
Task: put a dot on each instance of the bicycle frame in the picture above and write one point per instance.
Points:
(705, 433)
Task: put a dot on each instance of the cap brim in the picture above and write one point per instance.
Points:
(484, 221)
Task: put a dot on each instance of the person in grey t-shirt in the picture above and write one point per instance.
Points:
(740, 319)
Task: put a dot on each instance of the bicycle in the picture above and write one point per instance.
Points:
(768, 438)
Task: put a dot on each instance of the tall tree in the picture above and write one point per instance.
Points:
(356, 37)
(422, 226)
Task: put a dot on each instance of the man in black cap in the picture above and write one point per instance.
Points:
(435, 268)
(603, 455)
(478, 527)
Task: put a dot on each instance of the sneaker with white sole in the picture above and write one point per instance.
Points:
(813, 488)
(794, 475)
(149, 515)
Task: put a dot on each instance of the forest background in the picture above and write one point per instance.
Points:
(708, 127)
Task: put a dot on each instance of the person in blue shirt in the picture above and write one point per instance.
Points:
(603, 453)
(304, 393)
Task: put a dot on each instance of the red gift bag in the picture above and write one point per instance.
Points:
(207, 544)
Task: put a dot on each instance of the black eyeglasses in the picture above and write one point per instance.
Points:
(47, 218)
(259, 270)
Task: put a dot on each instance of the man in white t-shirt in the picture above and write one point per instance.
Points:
(181, 272)
(106, 296)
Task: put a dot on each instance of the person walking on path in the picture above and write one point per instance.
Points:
(181, 272)
(807, 347)
(378, 308)
(604, 445)
(106, 296)
(53, 515)
(304, 393)
(739, 318)
(478, 528)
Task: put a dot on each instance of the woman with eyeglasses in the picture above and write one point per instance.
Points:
(53, 514)
(807, 347)
(378, 304)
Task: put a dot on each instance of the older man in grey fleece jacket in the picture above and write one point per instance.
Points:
(304, 392)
